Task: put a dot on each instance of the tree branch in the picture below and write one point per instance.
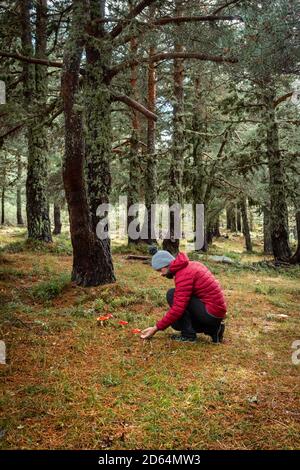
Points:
(134, 12)
(189, 19)
(178, 19)
(174, 19)
(232, 2)
(171, 55)
(11, 131)
(31, 60)
(135, 105)
(282, 98)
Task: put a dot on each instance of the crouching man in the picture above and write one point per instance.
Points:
(197, 303)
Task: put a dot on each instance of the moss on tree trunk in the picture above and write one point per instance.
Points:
(92, 263)
(171, 243)
(19, 194)
(278, 208)
(35, 95)
(268, 250)
(246, 228)
(57, 220)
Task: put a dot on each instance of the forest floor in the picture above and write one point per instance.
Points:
(70, 383)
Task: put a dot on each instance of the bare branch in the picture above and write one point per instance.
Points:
(12, 131)
(171, 55)
(134, 12)
(135, 105)
(174, 19)
(190, 19)
(222, 7)
(31, 60)
(282, 98)
(192, 55)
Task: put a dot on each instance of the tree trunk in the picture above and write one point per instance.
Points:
(151, 162)
(35, 94)
(231, 221)
(246, 229)
(251, 222)
(171, 243)
(97, 104)
(19, 194)
(57, 221)
(228, 218)
(150, 178)
(200, 187)
(216, 229)
(133, 190)
(92, 264)
(279, 211)
(3, 205)
(209, 234)
(238, 220)
(268, 250)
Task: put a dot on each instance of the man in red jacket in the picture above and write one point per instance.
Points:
(197, 303)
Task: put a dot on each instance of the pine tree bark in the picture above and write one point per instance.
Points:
(150, 179)
(92, 264)
(228, 218)
(19, 193)
(133, 190)
(200, 187)
(231, 222)
(57, 220)
(216, 230)
(209, 234)
(238, 219)
(171, 243)
(251, 221)
(97, 104)
(246, 229)
(279, 210)
(268, 250)
(35, 96)
(3, 205)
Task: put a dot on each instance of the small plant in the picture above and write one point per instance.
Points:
(99, 305)
(48, 290)
(265, 290)
(77, 311)
(123, 301)
(110, 380)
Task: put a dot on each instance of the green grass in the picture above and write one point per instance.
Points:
(61, 245)
(71, 383)
(51, 289)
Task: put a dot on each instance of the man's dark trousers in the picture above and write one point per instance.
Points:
(195, 319)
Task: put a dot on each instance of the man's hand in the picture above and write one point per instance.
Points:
(148, 332)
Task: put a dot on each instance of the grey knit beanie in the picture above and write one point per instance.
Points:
(161, 259)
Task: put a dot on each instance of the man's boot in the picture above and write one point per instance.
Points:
(217, 334)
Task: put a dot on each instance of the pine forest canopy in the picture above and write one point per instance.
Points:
(179, 101)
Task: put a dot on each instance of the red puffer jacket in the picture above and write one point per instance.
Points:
(193, 278)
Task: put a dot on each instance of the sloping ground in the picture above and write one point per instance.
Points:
(71, 383)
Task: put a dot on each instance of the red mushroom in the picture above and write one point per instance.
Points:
(102, 319)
